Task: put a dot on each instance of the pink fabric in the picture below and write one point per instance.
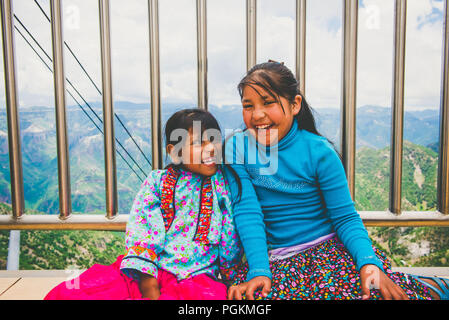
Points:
(201, 287)
(101, 282)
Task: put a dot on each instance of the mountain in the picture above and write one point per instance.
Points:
(69, 250)
(420, 246)
(419, 178)
(405, 246)
(38, 133)
(373, 126)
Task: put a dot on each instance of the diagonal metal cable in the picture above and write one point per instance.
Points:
(94, 84)
(68, 91)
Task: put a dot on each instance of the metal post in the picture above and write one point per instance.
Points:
(443, 170)
(348, 108)
(108, 112)
(251, 23)
(156, 133)
(13, 261)
(15, 153)
(201, 22)
(301, 6)
(65, 207)
(397, 126)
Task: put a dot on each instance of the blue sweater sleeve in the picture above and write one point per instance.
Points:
(340, 207)
(248, 216)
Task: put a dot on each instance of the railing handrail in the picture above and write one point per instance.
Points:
(118, 223)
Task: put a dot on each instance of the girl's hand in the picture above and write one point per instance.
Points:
(149, 287)
(372, 276)
(235, 292)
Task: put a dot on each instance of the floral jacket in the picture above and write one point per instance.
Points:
(182, 222)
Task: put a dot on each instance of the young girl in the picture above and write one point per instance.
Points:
(302, 236)
(180, 235)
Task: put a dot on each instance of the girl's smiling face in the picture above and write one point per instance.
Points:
(198, 154)
(265, 117)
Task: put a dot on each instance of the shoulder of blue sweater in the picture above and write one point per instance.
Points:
(311, 136)
(319, 147)
(314, 140)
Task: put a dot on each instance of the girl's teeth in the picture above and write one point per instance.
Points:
(209, 161)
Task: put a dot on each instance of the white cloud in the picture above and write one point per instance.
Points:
(423, 55)
(227, 50)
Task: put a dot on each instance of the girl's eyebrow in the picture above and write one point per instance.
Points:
(262, 97)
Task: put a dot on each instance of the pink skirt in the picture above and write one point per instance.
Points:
(101, 282)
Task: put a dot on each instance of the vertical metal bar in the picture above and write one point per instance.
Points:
(65, 207)
(301, 15)
(443, 166)
(349, 78)
(156, 132)
(15, 153)
(108, 112)
(251, 33)
(397, 125)
(13, 262)
(201, 24)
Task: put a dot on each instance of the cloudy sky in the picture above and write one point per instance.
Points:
(227, 50)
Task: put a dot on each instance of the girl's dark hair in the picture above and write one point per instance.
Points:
(184, 119)
(278, 81)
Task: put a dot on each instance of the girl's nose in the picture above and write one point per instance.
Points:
(258, 114)
(209, 148)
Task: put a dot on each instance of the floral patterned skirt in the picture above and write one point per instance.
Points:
(327, 272)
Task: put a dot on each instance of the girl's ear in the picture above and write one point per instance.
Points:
(296, 106)
(174, 156)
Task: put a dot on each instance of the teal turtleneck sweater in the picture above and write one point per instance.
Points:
(293, 193)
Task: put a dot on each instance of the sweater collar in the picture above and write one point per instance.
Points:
(289, 137)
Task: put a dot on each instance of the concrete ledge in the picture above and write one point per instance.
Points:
(35, 284)
(423, 271)
(38, 273)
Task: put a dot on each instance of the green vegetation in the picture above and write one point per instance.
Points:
(410, 246)
(419, 246)
(58, 250)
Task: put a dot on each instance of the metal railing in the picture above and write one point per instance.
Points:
(114, 221)
(65, 207)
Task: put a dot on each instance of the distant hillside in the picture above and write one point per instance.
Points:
(374, 126)
(405, 246)
(59, 250)
(419, 178)
(86, 148)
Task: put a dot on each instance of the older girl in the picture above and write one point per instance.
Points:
(302, 236)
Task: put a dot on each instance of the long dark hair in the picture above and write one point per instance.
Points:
(278, 81)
